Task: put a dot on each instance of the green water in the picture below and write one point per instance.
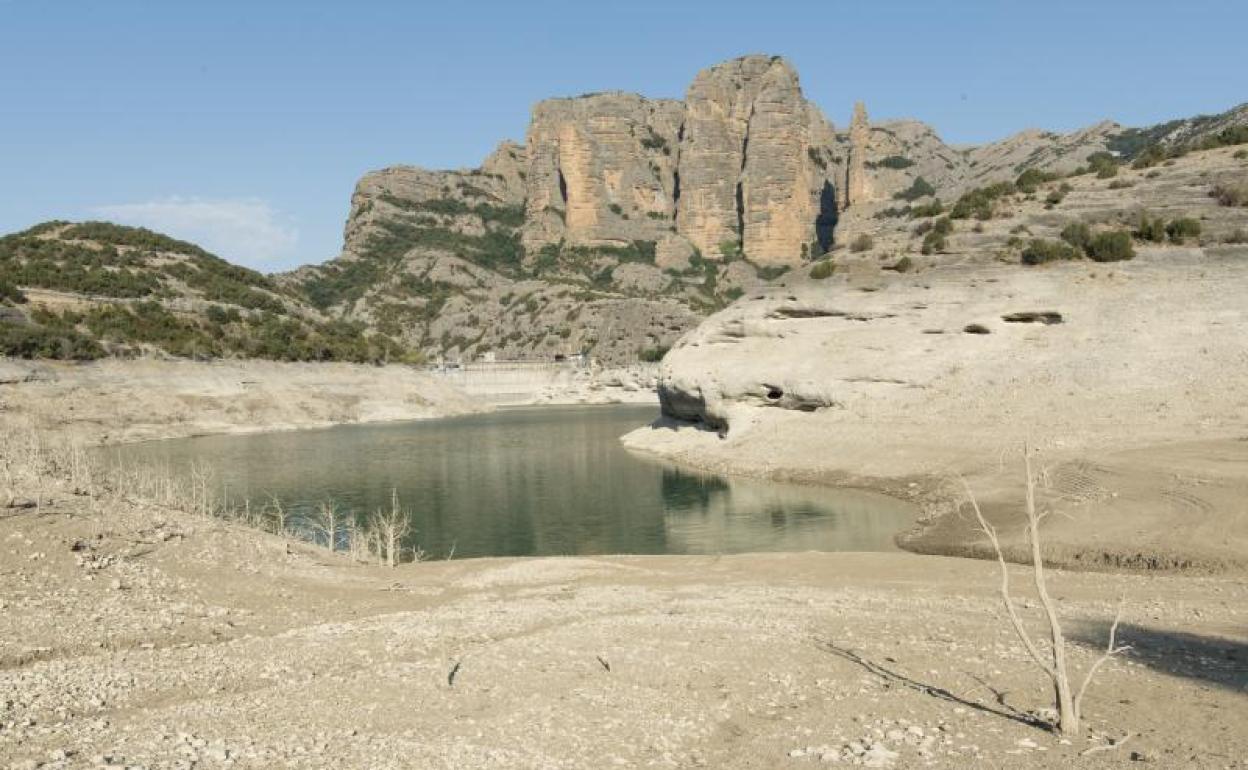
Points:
(534, 481)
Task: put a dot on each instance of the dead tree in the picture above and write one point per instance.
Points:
(391, 527)
(1052, 660)
(328, 522)
(278, 514)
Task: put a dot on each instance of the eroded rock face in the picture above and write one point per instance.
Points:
(754, 163)
(857, 185)
(601, 170)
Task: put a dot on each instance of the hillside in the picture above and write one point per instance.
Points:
(83, 291)
(622, 221)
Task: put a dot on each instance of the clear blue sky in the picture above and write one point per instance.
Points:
(244, 125)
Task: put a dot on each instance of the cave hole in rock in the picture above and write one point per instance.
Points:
(1046, 317)
(976, 329)
(774, 393)
(805, 311)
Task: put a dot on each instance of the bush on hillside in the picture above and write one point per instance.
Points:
(978, 203)
(896, 162)
(1150, 229)
(920, 188)
(1077, 234)
(933, 209)
(1111, 246)
(862, 243)
(822, 269)
(10, 293)
(1230, 195)
(1039, 251)
(1031, 179)
(21, 340)
(1103, 164)
(935, 241)
(1179, 230)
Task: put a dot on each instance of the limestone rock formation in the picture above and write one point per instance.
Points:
(601, 170)
(754, 163)
(857, 186)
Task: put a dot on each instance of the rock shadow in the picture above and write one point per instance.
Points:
(1212, 659)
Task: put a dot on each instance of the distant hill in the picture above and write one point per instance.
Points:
(83, 291)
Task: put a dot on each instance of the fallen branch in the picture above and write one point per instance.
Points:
(1108, 746)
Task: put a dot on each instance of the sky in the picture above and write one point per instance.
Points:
(243, 126)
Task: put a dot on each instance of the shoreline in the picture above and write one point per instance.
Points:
(939, 530)
(331, 396)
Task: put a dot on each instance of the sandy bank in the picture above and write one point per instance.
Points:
(117, 401)
(113, 401)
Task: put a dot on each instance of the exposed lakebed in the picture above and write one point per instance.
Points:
(532, 482)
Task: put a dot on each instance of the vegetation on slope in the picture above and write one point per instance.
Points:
(129, 290)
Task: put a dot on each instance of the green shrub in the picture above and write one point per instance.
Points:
(20, 340)
(1077, 234)
(1151, 156)
(656, 142)
(1151, 229)
(920, 188)
(934, 243)
(616, 209)
(138, 237)
(978, 203)
(1103, 164)
(1121, 184)
(903, 265)
(896, 162)
(1039, 251)
(822, 269)
(1031, 179)
(1240, 235)
(933, 209)
(1225, 138)
(1111, 246)
(652, 355)
(10, 293)
(1179, 230)
(730, 249)
(862, 243)
(1240, 155)
(1230, 195)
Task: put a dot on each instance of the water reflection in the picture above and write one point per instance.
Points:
(534, 482)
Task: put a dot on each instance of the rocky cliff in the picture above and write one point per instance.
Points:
(618, 224)
(623, 220)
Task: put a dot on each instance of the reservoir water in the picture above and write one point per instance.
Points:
(532, 481)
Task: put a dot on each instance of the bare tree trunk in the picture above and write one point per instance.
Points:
(1068, 717)
(1054, 663)
(392, 526)
(328, 524)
